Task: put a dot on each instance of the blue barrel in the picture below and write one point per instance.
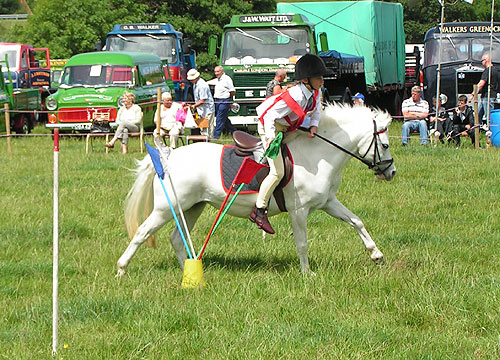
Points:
(495, 127)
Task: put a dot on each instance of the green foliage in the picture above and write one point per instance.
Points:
(9, 6)
(69, 27)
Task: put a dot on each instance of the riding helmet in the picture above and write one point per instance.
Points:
(310, 66)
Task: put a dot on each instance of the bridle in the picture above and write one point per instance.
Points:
(378, 167)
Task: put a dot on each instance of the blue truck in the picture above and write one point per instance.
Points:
(160, 39)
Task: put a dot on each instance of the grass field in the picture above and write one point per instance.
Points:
(437, 296)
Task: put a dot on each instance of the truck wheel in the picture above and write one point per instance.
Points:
(23, 124)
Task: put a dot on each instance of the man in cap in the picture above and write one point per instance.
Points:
(358, 99)
(286, 112)
(203, 100)
(415, 112)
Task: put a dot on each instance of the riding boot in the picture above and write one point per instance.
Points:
(253, 214)
(262, 221)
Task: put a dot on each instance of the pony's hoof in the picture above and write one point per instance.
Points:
(378, 257)
(120, 273)
(308, 272)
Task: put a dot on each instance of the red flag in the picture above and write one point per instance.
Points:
(247, 171)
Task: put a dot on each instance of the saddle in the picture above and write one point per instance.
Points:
(248, 145)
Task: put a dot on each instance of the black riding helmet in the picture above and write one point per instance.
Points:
(310, 66)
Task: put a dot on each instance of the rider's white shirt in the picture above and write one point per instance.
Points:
(301, 94)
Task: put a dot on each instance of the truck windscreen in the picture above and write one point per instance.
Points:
(271, 45)
(459, 49)
(96, 75)
(161, 45)
(12, 58)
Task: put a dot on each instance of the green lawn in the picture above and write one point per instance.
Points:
(437, 296)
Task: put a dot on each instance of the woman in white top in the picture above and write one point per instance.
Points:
(168, 123)
(129, 119)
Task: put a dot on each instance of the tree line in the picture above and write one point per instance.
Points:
(69, 27)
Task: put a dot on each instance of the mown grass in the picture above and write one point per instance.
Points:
(436, 297)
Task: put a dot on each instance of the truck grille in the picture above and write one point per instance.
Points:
(249, 79)
(466, 81)
(87, 114)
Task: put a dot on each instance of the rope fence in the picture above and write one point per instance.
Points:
(9, 135)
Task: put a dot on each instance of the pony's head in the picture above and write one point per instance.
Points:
(367, 128)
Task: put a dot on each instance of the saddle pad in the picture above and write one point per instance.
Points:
(229, 165)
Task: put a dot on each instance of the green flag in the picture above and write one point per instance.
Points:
(274, 148)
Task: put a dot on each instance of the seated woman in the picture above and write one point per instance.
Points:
(168, 119)
(129, 119)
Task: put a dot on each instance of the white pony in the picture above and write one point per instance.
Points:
(195, 171)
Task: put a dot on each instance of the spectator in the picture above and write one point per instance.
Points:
(444, 124)
(482, 86)
(274, 86)
(129, 119)
(204, 102)
(415, 111)
(358, 99)
(223, 94)
(168, 123)
(463, 120)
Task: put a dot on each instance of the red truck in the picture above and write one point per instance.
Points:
(29, 69)
(25, 65)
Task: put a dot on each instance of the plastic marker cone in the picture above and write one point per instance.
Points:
(193, 274)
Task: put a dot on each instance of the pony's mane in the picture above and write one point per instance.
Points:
(339, 114)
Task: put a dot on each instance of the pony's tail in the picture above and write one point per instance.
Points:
(139, 200)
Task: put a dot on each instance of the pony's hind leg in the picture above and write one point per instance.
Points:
(191, 217)
(336, 209)
(298, 219)
(154, 222)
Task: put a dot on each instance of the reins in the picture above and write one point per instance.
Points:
(361, 158)
(339, 147)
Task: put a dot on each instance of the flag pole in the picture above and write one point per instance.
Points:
(159, 145)
(175, 217)
(55, 242)
(272, 151)
(214, 225)
(155, 158)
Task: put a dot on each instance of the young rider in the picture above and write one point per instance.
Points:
(285, 112)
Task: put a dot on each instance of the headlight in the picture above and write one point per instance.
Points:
(120, 102)
(51, 104)
(235, 107)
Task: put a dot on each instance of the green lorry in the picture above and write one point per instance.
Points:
(361, 42)
(371, 29)
(26, 101)
(92, 86)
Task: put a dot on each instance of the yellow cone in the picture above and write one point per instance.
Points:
(193, 274)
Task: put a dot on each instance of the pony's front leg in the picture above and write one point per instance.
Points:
(299, 225)
(154, 222)
(336, 209)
